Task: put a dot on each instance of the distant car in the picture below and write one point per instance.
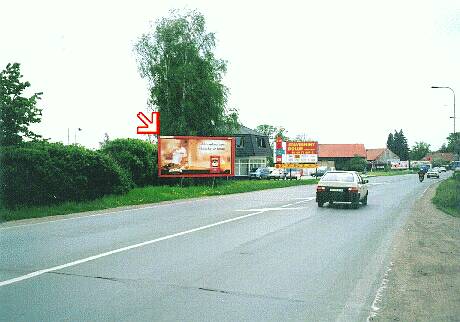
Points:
(433, 173)
(342, 186)
(277, 174)
(424, 167)
(442, 169)
(293, 174)
(260, 173)
(319, 172)
(455, 166)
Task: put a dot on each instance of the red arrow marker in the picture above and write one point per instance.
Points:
(151, 126)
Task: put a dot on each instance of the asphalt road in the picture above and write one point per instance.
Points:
(263, 256)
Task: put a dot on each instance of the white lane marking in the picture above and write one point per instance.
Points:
(119, 250)
(270, 209)
(378, 295)
(306, 200)
(165, 203)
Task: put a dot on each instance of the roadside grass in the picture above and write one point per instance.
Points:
(447, 196)
(147, 195)
(389, 173)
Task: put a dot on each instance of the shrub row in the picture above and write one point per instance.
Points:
(448, 195)
(39, 173)
(138, 158)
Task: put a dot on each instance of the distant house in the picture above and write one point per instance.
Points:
(378, 158)
(333, 155)
(252, 151)
(446, 157)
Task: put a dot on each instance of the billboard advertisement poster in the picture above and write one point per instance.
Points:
(300, 158)
(399, 165)
(296, 165)
(301, 152)
(301, 147)
(194, 156)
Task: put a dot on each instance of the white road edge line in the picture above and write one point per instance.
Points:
(118, 212)
(119, 250)
(379, 294)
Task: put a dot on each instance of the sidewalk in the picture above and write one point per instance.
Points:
(424, 281)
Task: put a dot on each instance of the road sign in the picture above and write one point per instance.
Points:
(151, 126)
(296, 165)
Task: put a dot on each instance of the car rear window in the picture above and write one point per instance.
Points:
(337, 176)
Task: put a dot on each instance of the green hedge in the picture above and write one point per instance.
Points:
(41, 173)
(447, 195)
(138, 158)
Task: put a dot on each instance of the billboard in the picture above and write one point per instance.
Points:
(301, 152)
(194, 156)
(399, 165)
(296, 165)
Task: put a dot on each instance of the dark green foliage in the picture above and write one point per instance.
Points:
(17, 112)
(391, 142)
(185, 77)
(447, 195)
(41, 173)
(138, 158)
(397, 143)
(453, 143)
(355, 164)
(419, 150)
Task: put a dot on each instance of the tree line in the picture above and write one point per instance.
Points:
(185, 81)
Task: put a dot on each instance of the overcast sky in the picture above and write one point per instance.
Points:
(339, 71)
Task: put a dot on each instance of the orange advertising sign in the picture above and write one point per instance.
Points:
(301, 147)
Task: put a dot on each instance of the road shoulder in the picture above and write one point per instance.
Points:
(423, 283)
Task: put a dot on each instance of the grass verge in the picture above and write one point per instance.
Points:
(147, 195)
(390, 173)
(447, 197)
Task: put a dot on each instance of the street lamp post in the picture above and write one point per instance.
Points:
(74, 133)
(454, 101)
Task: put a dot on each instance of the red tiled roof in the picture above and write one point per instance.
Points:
(373, 154)
(447, 156)
(341, 150)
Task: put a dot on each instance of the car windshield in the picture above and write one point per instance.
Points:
(338, 176)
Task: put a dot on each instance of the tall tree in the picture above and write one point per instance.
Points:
(401, 148)
(268, 130)
(185, 77)
(17, 111)
(453, 143)
(419, 150)
(391, 142)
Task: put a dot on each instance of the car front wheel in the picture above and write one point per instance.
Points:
(320, 204)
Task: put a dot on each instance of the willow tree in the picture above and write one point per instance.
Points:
(185, 77)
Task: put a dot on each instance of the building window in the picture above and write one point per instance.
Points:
(261, 142)
(244, 166)
(239, 142)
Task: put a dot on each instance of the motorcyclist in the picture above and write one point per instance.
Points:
(421, 174)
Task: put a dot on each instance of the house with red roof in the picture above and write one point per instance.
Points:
(378, 158)
(445, 157)
(334, 155)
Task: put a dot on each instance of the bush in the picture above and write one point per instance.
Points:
(138, 158)
(354, 164)
(447, 195)
(42, 173)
